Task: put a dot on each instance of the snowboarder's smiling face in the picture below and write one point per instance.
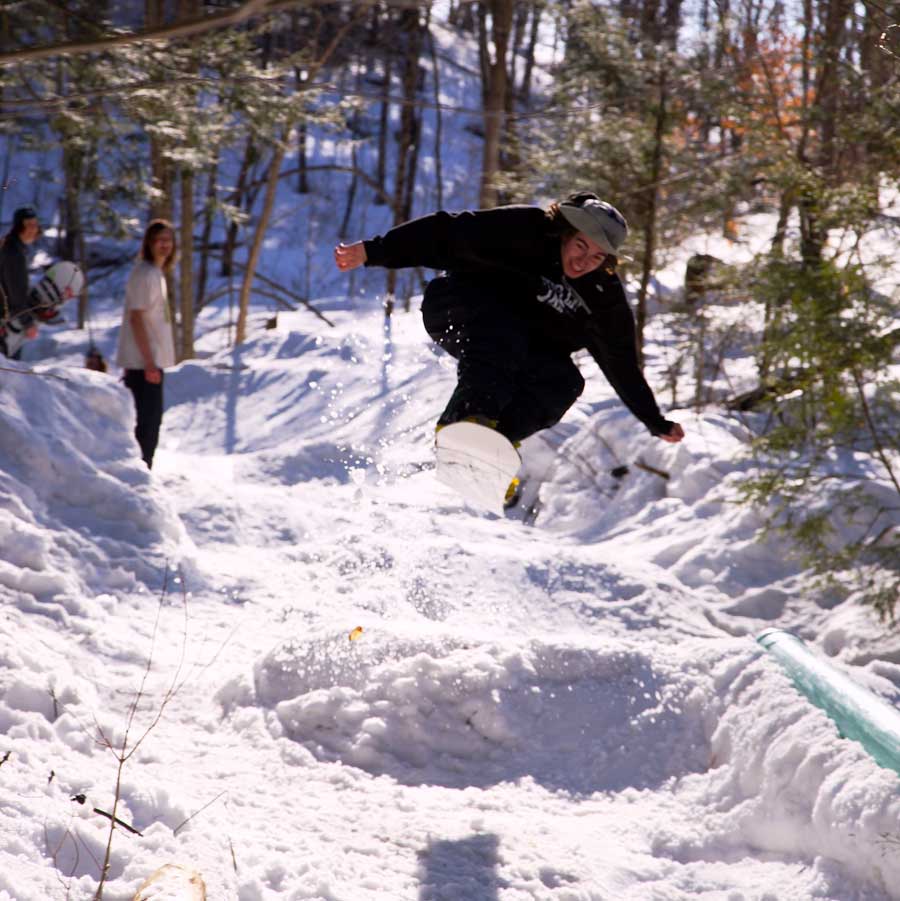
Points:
(580, 255)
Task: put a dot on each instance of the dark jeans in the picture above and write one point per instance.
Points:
(148, 401)
(505, 371)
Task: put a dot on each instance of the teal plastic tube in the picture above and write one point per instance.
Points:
(857, 712)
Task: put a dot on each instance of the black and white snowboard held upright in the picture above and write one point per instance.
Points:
(60, 282)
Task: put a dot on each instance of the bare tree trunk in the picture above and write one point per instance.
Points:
(877, 66)
(438, 117)
(70, 240)
(209, 208)
(256, 247)
(351, 194)
(784, 210)
(71, 243)
(69, 236)
(495, 99)
(383, 128)
(462, 17)
(186, 266)
(186, 10)
(407, 138)
(84, 299)
(161, 204)
(835, 13)
(520, 21)
(302, 160)
(484, 52)
(406, 210)
(237, 199)
(525, 87)
(812, 239)
(650, 212)
(161, 181)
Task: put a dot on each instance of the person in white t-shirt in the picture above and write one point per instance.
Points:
(146, 345)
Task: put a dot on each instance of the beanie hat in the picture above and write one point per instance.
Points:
(599, 220)
(20, 215)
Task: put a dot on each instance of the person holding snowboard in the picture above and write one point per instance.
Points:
(15, 304)
(146, 346)
(522, 289)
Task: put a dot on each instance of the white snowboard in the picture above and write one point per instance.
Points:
(61, 282)
(477, 462)
(172, 882)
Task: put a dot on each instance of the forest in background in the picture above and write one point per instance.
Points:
(687, 116)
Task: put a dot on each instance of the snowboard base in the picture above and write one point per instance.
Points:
(477, 462)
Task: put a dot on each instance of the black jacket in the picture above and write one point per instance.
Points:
(14, 281)
(515, 249)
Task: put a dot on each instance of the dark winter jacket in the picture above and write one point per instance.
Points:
(514, 249)
(14, 301)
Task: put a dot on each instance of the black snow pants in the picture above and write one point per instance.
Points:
(505, 373)
(148, 403)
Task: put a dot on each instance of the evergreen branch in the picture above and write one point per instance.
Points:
(129, 88)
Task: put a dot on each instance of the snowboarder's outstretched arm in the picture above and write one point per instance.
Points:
(470, 240)
(612, 344)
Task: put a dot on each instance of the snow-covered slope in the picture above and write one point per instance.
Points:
(564, 704)
(78, 513)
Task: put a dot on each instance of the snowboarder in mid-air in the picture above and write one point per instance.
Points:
(522, 288)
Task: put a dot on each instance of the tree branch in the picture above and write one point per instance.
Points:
(163, 33)
(186, 28)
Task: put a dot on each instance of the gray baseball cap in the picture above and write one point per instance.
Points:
(599, 220)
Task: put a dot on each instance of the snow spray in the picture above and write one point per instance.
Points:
(858, 713)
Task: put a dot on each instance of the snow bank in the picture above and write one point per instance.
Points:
(86, 538)
(562, 705)
(78, 509)
(790, 785)
(451, 712)
(749, 767)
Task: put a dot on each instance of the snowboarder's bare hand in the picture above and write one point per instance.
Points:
(674, 435)
(349, 256)
(153, 375)
(31, 331)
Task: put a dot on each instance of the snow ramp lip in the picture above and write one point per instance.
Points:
(580, 718)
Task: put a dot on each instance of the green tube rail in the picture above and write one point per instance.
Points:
(857, 712)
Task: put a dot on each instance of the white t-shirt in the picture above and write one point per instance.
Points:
(146, 291)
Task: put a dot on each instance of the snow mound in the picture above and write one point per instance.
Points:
(445, 711)
(679, 507)
(788, 785)
(78, 509)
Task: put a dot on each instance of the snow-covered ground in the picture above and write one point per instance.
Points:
(564, 704)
